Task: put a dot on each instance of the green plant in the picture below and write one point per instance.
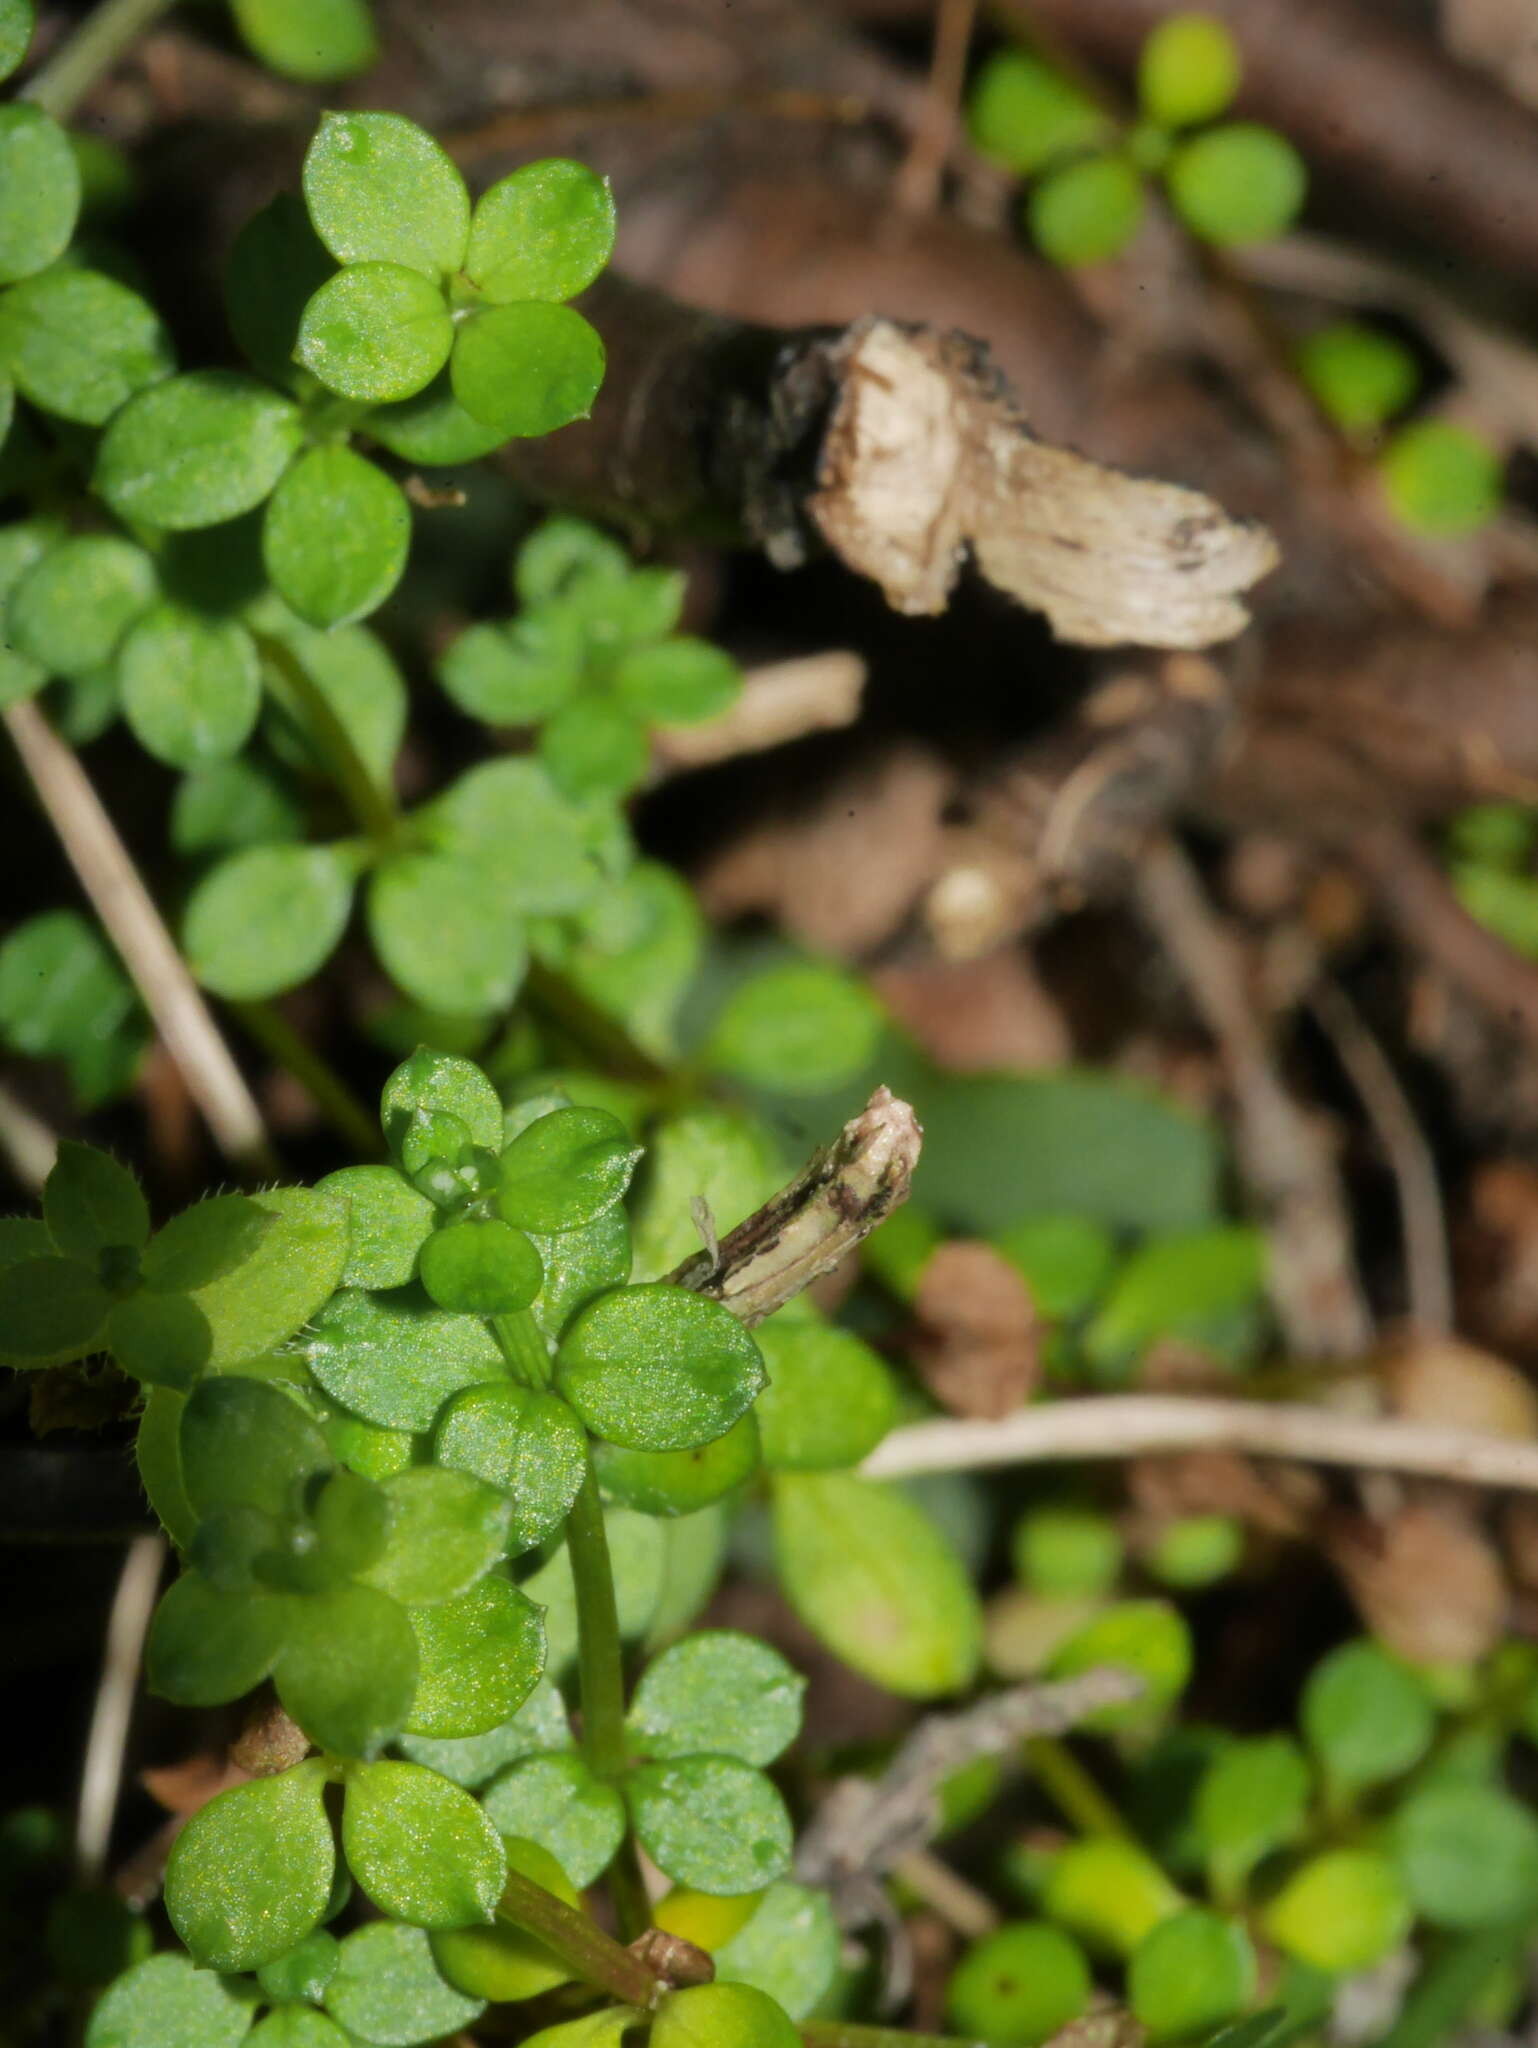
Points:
(1231, 183)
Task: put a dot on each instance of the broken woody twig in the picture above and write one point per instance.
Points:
(805, 1230)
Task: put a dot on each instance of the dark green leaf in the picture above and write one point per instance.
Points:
(204, 1243)
(525, 1442)
(90, 1202)
(207, 1645)
(314, 41)
(657, 1369)
(303, 1971)
(348, 1668)
(195, 450)
(420, 1847)
(869, 1572)
(336, 536)
(557, 1802)
(720, 1691)
(389, 1992)
(297, 2026)
(680, 1482)
(565, 556)
(39, 191)
(711, 1822)
(352, 669)
(244, 1443)
(233, 804)
(63, 994)
(517, 674)
(1253, 1798)
(251, 1872)
(51, 1310)
(479, 1656)
(388, 1223)
(166, 2002)
(162, 1339)
(276, 264)
(1173, 1285)
(481, 1267)
(565, 1169)
(527, 369)
(379, 189)
(396, 1359)
(191, 685)
(441, 929)
(1066, 1260)
(830, 1398)
(72, 607)
(432, 428)
(446, 1530)
(79, 344)
(678, 682)
(266, 919)
(376, 332)
(545, 232)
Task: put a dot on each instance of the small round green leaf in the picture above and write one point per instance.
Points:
(557, 1802)
(548, 866)
(304, 1971)
(1025, 113)
(442, 932)
(353, 671)
(525, 1442)
(677, 682)
(679, 1482)
(1359, 375)
(1469, 1855)
(277, 1282)
(720, 1691)
(1238, 183)
(579, 1264)
(1062, 1550)
(348, 1669)
(796, 1029)
(51, 1310)
(481, 1267)
(544, 232)
(1196, 1550)
(208, 1645)
(1440, 478)
(420, 1847)
(567, 556)
(479, 1657)
(244, 1443)
(871, 1575)
(788, 1948)
(196, 450)
(167, 2002)
(566, 1169)
(655, 1368)
(539, 1725)
(446, 1530)
(16, 25)
(503, 1962)
(721, 2016)
(1109, 1892)
(389, 1992)
(1087, 212)
(432, 428)
(379, 189)
(431, 1081)
(1188, 70)
(70, 609)
(79, 344)
(1366, 1717)
(388, 1224)
(276, 262)
(1019, 1984)
(314, 41)
(376, 331)
(830, 1399)
(1190, 1974)
(39, 191)
(528, 368)
(63, 994)
(711, 1822)
(335, 536)
(90, 1202)
(395, 1359)
(513, 675)
(162, 1339)
(1343, 1910)
(595, 748)
(266, 919)
(1147, 1637)
(1253, 1798)
(250, 1873)
(190, 684)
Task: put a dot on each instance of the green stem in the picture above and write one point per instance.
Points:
(60, 84)
(523, 1346)
(595, 1956)
(372, 805)
(846, 2034)
(1071, 1788)
(318, 1078)
(601, 1678)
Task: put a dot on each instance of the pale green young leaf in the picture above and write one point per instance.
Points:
(376, 332)
(314, 41)
(257, 1304)
(379, 189)
(395, 1359)
(544, 232)
(528, 368)
(441, 931)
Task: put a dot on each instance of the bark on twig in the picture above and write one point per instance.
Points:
(811, 1225)
(1137, 1425)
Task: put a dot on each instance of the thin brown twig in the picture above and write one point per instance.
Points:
(1142, 1425)
(101, 1775)
(134, 925)
(1423, 1221)
(916, 187)
(1313, 1280)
